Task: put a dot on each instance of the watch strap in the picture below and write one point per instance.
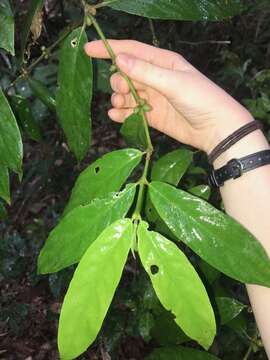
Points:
(236, 167)
(233, 138)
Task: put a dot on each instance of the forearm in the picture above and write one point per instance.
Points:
(247, 199)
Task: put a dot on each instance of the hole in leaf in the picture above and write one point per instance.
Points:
(74, 42)
(154, 269)
(97, 169)
(150, 210)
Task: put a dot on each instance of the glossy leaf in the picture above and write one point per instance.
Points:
(228, 308)
(179, 9)
(4, 184)
(210, 273)
(11, 149)
(214, 236)
(105, 175)
(171, 167)
(202, 191)
(177, 285)
(154, 218)
(25, 116)
(70, 239)
(180, 353)
(75, 81)
(34, 8)
(6, 27)
(42, 93)
(133, 131)
(92, 288)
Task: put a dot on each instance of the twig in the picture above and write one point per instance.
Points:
(154, 37)
(196, 43)
(248, 352)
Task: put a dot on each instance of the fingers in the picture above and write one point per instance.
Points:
(163, 80)
(161, 57)
(126, 101)
(119, 84)
(119, 115)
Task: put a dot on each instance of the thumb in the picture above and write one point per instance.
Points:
(158, 78)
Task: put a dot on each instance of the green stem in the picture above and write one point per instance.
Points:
(48, 50)
(28, 70)
(248, 352)
(143, 181)
(103, 38)
(139, 101)
(131, 86)
(104, 3)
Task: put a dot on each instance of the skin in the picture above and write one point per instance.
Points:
(190, 108)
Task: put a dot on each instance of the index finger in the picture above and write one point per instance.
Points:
(161, 57)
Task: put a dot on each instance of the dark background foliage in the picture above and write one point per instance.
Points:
(235, 54)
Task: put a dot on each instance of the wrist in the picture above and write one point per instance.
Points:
(250, 144)
(226, 125)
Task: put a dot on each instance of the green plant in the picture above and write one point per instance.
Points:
(102, 224)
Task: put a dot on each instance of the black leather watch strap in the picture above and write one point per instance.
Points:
(236, 167)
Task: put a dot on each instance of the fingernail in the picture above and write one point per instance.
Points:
(125, 60)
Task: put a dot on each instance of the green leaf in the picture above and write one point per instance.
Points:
(228, 308)
(6, 27)
(133, 131)
(173, 334)
(202, 191)
(70, 239)
(154, 218)
(35, 7)
(4, 184)
(42, 93)
(239, 324)
(75, 80)
(180, 353)
(92, 288)
(25, 116)
(171, 167)
(11, 149)
(179, 9)
(214, 236)
(210, 273)
(177, 285)
(105, 175)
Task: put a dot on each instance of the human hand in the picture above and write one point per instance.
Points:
(186, 105)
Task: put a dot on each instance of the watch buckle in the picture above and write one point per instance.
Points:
(237, 167)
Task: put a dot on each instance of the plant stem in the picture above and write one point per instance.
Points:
(104, 3)
(48, 50)
(139, 101)
(128, 80)
(113, 57)
(154, 37)
(27, 70)
(248, 352)
(142, 182)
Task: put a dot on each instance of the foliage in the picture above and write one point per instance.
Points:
(108, 215)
